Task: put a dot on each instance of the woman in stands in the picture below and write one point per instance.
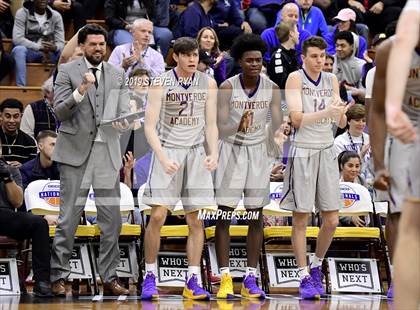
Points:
(350, 165)
(355, 139)
(346, 21)
(207, 40)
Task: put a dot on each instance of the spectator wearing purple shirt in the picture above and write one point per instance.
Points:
(139, 54)
(290, 12)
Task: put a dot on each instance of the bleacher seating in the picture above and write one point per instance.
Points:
(25, 94)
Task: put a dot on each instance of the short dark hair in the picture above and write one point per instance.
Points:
(245, 43)
(345, 156)
(344, 35)
(90, 29)
(329, 56)
(313, 41)
(45, 134)
(185, 45)
(11, 103)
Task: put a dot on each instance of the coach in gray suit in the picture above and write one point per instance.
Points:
(88, 91)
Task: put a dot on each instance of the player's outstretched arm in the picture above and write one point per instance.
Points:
(377, 126)
(212, 133)
(405, 40)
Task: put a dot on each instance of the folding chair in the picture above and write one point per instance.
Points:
(358, 202)
(42, 197)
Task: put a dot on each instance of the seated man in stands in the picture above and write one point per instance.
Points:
(120, 14)
(347, 67)
(42, 167)
(39, 115)
(38, 36)
(18, 147)
(138, 54)
(22, 225)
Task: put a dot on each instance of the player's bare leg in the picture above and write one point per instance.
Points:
(406, 259)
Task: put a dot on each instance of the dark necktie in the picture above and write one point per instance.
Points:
(94, 70)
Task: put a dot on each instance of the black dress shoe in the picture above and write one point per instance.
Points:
(42, 289)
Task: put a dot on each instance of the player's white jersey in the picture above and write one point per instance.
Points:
(316, 96)
(249, 111)
(182, 114)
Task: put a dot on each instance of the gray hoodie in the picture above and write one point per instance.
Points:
(28, 32)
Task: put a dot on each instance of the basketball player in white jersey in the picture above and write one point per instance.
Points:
(181, 112)
(399, 66)
(312, 176)
(245, 101)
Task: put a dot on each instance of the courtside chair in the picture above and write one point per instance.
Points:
(358, 202)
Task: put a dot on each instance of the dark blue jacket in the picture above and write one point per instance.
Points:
(32, 171)
(226, 11)
(191, 21)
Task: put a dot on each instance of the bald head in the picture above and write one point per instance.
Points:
(290, 13)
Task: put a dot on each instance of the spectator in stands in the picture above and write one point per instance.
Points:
(17, 146)
(209, 42)
(6, 61)
(228, 22)
(290, 12)
(328, 67)
(347, 67)
(138, 53)
(311, 18)
(6, 19)
(120, 14)
(70, 10)
(350, 164)
(195, 17)
(39, 115)
(355, 139)
(42, 167)
(346, 21)
(284, 61)
(22, 225)
(377, 14)
(38, 36)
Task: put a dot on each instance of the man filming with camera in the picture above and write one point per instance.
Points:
(22, 225)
